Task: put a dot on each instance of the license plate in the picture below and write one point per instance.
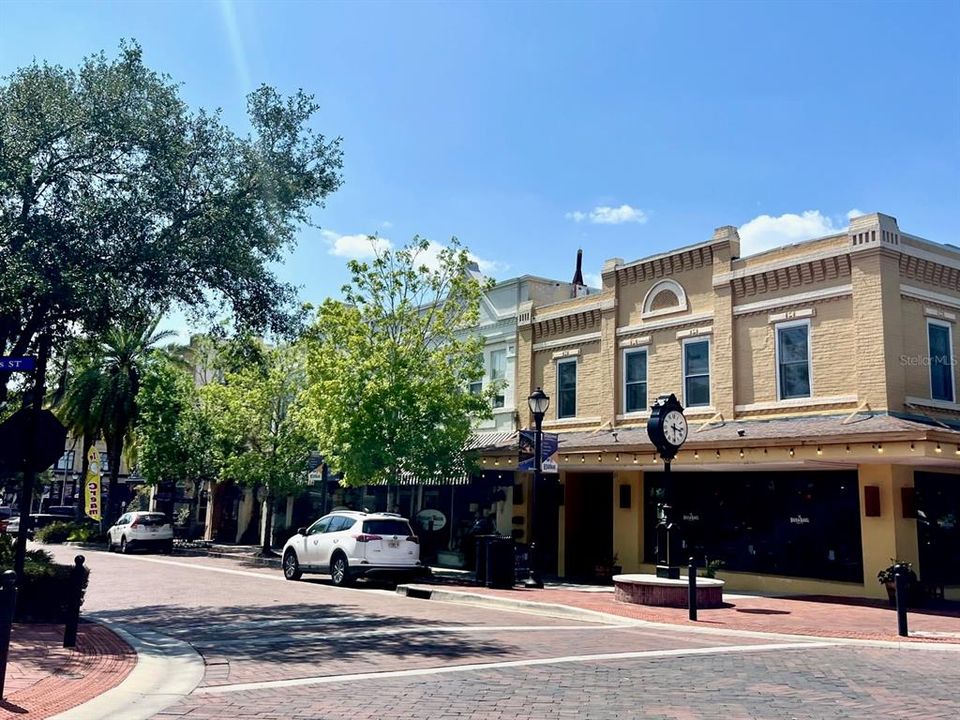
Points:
(394, 543)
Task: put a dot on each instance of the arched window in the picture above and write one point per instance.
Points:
(666, 297)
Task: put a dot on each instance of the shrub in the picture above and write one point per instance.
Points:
(86, 533)
(45, 592)
(54, 533)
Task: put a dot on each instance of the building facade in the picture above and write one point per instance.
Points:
(820, 381)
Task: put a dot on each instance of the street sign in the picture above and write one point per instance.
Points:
(18, 364)
(48, 440)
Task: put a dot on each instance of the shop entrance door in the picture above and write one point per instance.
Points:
(588, 523)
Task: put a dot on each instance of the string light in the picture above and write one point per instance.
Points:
(879, 447)
(718, 454)
(819, 450)
(741, 453)
(618, 457)
(696, 454)
(582, 459)
(635, 459)
(938, 448)
(791, 452)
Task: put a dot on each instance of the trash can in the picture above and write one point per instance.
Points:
(481, 543)
(501, 570)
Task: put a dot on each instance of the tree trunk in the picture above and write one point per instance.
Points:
(266, 540)
(80, 509)
(114, 449)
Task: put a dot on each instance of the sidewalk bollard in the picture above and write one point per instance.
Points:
(73, 610)
(900, 582)
(692, 588)
(8, 602)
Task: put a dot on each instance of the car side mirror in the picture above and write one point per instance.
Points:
(301, 531)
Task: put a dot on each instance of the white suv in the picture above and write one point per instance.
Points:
(141, 530)
(351, 544)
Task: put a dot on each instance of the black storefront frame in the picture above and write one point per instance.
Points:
(938, 527)
(790, 523)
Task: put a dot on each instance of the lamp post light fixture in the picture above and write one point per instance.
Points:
(539, 402)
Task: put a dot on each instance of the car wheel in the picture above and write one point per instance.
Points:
(168, 548)
(340, 570)
(291, 567)
(123, 546)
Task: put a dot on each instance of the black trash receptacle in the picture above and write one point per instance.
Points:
(481, 543)
(501, 571)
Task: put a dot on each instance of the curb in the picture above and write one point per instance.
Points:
(167, 670)
(430, 592)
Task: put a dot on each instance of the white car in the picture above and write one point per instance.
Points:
(350, 544)
(135, 530)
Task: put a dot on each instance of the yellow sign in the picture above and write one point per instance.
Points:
(92, 485)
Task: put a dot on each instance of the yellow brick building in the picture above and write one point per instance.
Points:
(820, 381)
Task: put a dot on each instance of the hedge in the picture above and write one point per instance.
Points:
(45, 592)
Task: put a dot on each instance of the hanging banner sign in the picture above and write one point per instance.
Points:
(548, 451)
(91, 496)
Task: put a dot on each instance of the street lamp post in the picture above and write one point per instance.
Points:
(538, 402)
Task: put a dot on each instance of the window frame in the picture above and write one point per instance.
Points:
(646, 379)
(776, 349)
(951, 360)
(576, 385)
(683, 369)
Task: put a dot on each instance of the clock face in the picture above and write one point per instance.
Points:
(675, 428)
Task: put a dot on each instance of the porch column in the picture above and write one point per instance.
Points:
(890, 536)
(628, 521)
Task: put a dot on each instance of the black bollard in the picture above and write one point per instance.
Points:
(692, 588)
(8, 602)
(73, 611)
(900, 583)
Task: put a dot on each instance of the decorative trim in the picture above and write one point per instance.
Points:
(944, 260)
(940, 314)
(639, 341)
(671, 286)
(695, 332)
(929, 296)
(572, 352)
(604, 304)
(661, 324)
(805, 313)
(721, 279)
(927, 402)
(627, 417)
(572, 421)
(799, 298)
(797, 402)
(573, 340)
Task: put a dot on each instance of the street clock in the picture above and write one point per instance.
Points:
(667, 427)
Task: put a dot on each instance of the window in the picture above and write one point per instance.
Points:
(567, 388)
(941, 360)
(319, 526)
(66, 461)
(696, 373)
(339, 523)
(498, 373)
(793, 360)
(635, 381)
(476, 387)
(387, 527)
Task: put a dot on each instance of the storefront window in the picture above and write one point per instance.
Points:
(798, 524)
(938, 527)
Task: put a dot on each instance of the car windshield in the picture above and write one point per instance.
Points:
(153, 519)
(386, 527)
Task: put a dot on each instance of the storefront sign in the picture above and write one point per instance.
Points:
(92, 501)
(430, 519)
(799, 520)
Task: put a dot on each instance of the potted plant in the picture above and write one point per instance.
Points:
(606, 568)
(887, 578)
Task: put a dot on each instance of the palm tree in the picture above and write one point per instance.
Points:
(102, 399)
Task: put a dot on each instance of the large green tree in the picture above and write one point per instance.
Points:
(390, 366)
(102, 400)
(255, 415)
(115, 197)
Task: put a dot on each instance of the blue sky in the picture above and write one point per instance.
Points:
(531, 129)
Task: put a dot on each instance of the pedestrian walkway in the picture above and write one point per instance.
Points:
(817, 616)
(44, 678)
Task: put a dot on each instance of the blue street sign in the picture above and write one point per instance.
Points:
(18, 364)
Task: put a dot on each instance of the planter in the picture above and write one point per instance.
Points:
(914, 593)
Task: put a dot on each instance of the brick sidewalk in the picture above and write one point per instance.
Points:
(814, 616)
(44, 678)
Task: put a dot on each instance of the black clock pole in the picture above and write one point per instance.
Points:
(666, 530)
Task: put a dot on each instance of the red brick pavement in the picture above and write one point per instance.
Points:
(815, 616)
(44, 678)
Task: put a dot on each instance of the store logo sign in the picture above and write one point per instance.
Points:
(799, 520)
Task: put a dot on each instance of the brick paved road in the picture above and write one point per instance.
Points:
(307, 650)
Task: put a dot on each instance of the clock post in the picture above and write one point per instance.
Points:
(667, 429)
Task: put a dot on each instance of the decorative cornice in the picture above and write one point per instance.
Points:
(692, 319)
(760, 306)
(563, 342)
(797, 403)
(930, 296)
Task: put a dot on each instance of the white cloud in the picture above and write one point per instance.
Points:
(851, 214)
(356, 247)
(386, 224)
(607, 215)
(593, 280)
(431, 258)
(766, 232)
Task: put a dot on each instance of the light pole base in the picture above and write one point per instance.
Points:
(533, 583)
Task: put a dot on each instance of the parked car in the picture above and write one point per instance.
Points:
(135, 530)
(6, 513)
(35, 522)
(350, 544)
